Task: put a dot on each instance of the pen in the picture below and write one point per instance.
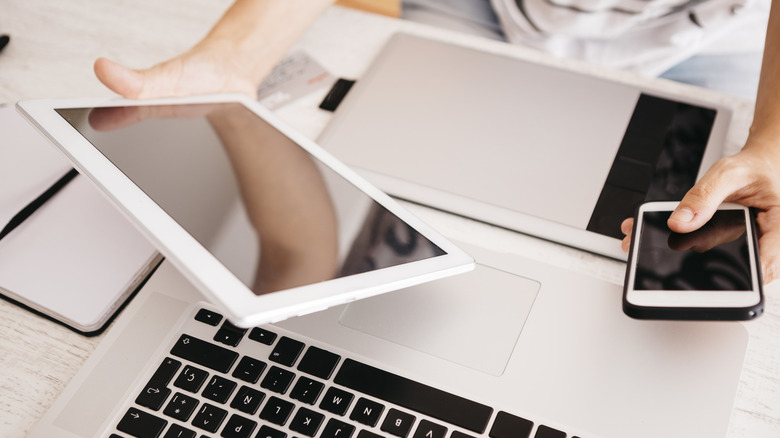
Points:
(30, 208)
(4, 39)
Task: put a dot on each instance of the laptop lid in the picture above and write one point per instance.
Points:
(551, 152)
(260, 219)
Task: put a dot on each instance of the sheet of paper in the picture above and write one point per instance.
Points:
(295, 76)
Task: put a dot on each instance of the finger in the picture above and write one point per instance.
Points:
(703, 199)
(626, 227)
(769, 244)
(625, 244)
(119, 79)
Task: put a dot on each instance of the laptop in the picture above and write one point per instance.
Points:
(513, 348)
(547, 151)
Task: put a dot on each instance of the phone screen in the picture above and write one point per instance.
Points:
(713, 258)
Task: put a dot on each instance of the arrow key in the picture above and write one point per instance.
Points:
(139, 424)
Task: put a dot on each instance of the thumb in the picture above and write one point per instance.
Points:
(121, 80)
(701, 201)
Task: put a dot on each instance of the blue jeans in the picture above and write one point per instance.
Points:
(735, 74)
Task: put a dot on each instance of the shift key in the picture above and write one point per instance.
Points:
(204, 353)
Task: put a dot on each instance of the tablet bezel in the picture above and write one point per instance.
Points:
(196, 263)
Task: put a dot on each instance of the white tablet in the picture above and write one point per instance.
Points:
(262, 221)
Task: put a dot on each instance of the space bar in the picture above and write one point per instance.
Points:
(414, 395)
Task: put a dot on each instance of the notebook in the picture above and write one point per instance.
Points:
(513, 348)
(47, 262)
(547, 151)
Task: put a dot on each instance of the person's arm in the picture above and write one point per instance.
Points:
(750, 177)
(238, 52)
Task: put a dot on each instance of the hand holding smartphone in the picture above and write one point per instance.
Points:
(712, 273)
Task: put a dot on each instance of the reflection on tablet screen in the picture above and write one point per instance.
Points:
(268, 210)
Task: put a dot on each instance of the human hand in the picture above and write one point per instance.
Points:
(206, 68)
(235, 56)
(750, 177)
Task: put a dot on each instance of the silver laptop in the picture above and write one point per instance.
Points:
(514, 348)
(550, 152)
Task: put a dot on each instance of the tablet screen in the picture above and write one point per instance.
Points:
(266, 208)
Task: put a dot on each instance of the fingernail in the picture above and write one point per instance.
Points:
(682, 215)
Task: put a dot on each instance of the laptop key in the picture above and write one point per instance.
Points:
(229, 334)
(366, 412)
(247, 400)
(153, 396)
(208, 317)
(318, 362)
(428, 429)
(209, 418)
(155, 392)
(336, 401)
(368, 434)
(286, 351)
(249, 369)
(548, 432)
(140, 424)
(510, 426)
(306, 390)
(191, 379)
(270, 432)
(306, 422)
(277, 411)
(238, 427)
(459, 434)
(277, 380)
(181, 407)
(204, 353)
(177, 431)
(398, 423)
(165, 372)
(262, 336)
(337, 429)
(219, 389)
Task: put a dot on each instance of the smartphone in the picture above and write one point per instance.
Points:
(712, 273)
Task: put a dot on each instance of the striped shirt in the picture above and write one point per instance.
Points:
(647, 36)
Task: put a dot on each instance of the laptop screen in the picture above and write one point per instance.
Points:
(263, 206)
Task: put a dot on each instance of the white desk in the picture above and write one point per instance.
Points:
(50, 55)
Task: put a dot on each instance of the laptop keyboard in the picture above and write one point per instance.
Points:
(218, 380)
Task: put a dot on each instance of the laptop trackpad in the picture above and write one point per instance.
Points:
(472, 319)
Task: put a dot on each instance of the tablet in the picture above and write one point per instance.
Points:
(260, 219)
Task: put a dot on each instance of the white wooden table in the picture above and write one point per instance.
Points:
(53, 45)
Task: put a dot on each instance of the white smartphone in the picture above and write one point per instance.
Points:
(709, 274)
